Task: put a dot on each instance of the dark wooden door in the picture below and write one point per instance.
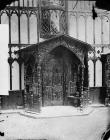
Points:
(52, 79)
(59, 77)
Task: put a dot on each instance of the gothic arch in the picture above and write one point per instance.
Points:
(59, 50)
(59, 44)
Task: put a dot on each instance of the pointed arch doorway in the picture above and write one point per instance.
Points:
(59, 76)
(60, 69)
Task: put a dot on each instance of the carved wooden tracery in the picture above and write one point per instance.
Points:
(45, 49)
(42, 52)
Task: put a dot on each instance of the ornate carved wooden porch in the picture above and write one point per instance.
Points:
(56, 72)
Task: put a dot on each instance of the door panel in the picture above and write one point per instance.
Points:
(59, 77)
(52, 83)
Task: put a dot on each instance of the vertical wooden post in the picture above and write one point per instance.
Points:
(94, 61)
(37, 86)
(38, 21)
(93, 31)
(39, 79)
(109, 30)
(37, 100)
(20, 85)
(28, 27)
(107, 99)
(0, 96)
(82, 80)
(101, 29)
(10, 76)
(88, 81)
(19, 29)
(11, 61)
(39, 82)
(19, 41)
(25, 94)
(86, 76)
(20, 61)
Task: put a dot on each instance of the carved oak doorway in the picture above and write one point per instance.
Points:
(59, 71)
